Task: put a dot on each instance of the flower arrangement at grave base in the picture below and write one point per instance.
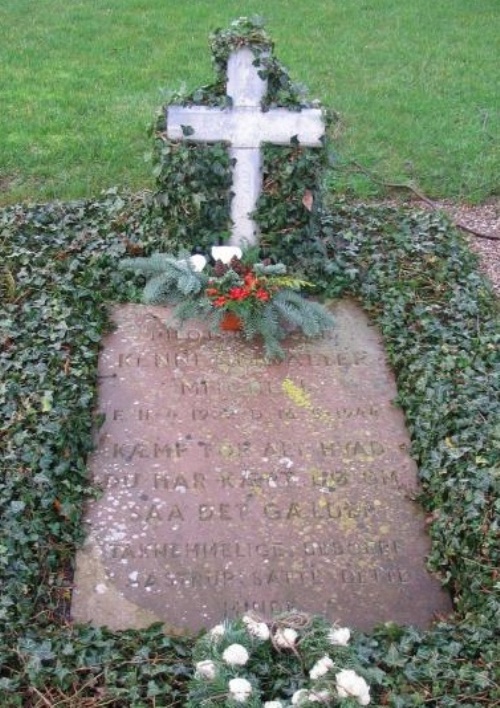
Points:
(295, 660)
(265, 299)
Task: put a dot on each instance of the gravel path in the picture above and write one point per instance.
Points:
(484, 219)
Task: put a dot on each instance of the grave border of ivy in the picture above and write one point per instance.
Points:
(414, 275)
(416, 278)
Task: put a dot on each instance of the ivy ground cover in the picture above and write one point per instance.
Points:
(439, 319)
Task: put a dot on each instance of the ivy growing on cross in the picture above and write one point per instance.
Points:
(244, 125)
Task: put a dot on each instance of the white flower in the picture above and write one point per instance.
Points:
(321, 667)
(256, 629)
(300, 696)
(240, 689)
(206, 669)
(303, 696)
(339, 636)
(285, 638)
(319, 697)
(217, 632)
(349, 684)
(235, 655)
(198, 262)
(273, 704)
(225, 253)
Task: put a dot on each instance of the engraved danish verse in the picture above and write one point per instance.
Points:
(229, 484)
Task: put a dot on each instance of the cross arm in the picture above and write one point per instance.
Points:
(209, 124)
(280, 125)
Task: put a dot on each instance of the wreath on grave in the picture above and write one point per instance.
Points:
(235, 292)
(295, 660)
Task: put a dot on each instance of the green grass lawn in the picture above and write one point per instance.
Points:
(416, 85)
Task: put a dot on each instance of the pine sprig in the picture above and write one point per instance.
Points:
(266, 299)
(170, 278)
(309, 316)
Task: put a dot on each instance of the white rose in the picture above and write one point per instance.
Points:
(321, 667)
(235, 655)
(339, 636)
(260, 630)
(319, 697)
(226, 253)
(217, 632)
(198, 262)
(303, 696)
(349, 684)
(206, 669)
(240, 689)
(300, 696)
(285, 638)
(273, 704)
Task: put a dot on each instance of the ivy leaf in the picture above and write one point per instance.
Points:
(308, 199)
(47, 400)
(17, 506)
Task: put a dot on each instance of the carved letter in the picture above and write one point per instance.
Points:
(153, 513)
(175, 514)
(205, 512)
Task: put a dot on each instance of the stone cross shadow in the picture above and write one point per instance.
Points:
(245, 126)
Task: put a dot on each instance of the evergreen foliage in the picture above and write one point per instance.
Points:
(193, 183)
(169, 279)
(268, 305)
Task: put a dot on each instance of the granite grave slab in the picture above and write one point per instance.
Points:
(229, 484)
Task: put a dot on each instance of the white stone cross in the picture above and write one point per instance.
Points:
(245, 126)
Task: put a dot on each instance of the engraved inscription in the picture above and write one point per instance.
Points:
(145, 449)
(231, 485)
(227, 550)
